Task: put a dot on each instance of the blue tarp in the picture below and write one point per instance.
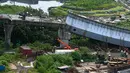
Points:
(2, 67)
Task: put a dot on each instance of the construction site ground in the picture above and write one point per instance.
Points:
(91, 67)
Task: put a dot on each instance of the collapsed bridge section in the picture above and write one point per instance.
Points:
(83, 26)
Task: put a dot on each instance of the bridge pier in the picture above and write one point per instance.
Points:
(64, 35)
(7, 31)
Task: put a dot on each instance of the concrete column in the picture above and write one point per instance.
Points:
(64, 35)
(8, 30)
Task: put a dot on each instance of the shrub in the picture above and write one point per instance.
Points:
(49, 63)
(53, 71)
(89, 4)
(9, 57)
(32, 71)
(88, 57)
(57, 12)
(63, 59)
(76, 56)
(113, 18)
(46, 61)
(85, 54)
(41, 69)
(3, 62)
(85, 50)
(40, 46)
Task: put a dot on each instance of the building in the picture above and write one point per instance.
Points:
(25, 50)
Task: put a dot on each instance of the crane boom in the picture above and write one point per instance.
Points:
(66, 45)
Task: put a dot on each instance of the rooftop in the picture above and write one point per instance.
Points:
(25, 47)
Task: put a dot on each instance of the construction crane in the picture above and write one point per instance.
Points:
(66, 46)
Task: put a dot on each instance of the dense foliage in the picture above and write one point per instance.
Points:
(41, 46)
(7, 9)
(89, 8)
(124, 24)
(1, 45)
(28, 34)
(5, 59)
(9, 57)
(57, 12)
(83, 54)
(76, 56)
(90, 4)
(12, 9)
(86, 55)
(49, 63)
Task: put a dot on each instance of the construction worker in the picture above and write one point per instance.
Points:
(122, 53)
(109, 55)
(126, 54)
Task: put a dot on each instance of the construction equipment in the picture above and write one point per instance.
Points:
(66, 46)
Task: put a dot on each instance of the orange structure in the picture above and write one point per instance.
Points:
(66, 46)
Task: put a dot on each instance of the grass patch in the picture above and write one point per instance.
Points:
(125, 24)
(57, 12)
(90, 4)
(7, 9)
(112, 11)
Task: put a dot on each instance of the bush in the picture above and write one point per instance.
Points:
(113, 18)
(46, 61)
(88, 57)
(47, 46)
(32, 71)
(40, 46)
(83, 53)
(3, 62)
(44, 70)
(63, 59)
(76, 56)
(90, 4)
(85, 50)
(57, 12)
(9, 57)
(41, 69)
(53, 71)
(49, 63)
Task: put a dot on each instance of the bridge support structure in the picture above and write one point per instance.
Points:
(64, 35)
(7, 31)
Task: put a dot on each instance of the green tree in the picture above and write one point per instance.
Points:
(76, 56)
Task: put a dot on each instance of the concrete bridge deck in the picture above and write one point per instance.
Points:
(81, 25)
(10, 19)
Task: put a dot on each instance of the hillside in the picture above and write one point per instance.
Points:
(90, 4)
(91, 7)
